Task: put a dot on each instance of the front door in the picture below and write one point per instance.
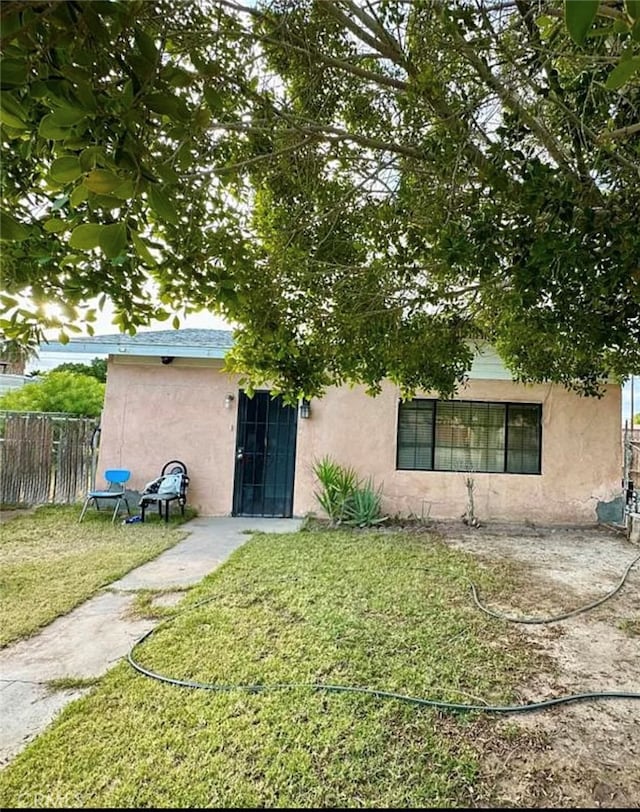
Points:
(265, 456)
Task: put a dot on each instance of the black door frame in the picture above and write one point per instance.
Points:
(238, 508)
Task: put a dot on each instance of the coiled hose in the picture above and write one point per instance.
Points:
(455, 707)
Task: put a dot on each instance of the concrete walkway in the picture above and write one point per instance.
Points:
(96, 635)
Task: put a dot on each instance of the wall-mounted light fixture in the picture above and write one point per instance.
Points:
(229, 400)
(304, 409)
(167, 359)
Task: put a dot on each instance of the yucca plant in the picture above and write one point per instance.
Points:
(364, 508)
(338, 486)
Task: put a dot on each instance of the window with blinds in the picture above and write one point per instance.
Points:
(461, 435)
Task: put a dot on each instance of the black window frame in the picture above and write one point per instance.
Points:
(507, 406)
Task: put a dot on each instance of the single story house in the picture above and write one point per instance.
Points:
(536, 453)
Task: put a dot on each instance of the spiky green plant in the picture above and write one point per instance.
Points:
(338, 485)
(364, 508)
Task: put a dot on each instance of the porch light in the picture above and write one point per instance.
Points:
(304, 409)
(228, 401)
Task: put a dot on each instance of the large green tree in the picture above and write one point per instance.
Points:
(363, 186)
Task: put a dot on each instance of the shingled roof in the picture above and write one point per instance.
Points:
(185, 343)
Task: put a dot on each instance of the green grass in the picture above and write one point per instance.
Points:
(71, 683)
(630, 626)
(386, 611)
(50, 562)
(145, 606)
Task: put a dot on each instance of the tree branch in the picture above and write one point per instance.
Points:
(622, 132)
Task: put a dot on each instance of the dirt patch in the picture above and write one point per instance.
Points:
(6, 514)
(585, 754)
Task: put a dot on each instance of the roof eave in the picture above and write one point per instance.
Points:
(153, 350)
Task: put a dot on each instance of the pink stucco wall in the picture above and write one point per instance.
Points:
(154, 413)
(581, 457)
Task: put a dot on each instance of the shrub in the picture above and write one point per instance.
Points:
(345, 498)
(338, 484)
(364, 508)
(58, 392)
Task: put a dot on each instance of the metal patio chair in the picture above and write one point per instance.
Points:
(170, 486)
(115, 477)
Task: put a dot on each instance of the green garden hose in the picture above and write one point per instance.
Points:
(554, 618)
(351, 689)
(414, 700)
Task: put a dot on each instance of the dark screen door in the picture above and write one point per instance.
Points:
(265, 456)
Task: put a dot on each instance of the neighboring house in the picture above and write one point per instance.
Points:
(11, 372)
(9, 381)
(536, 453)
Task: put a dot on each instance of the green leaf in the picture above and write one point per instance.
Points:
(168, 105)
(175, 323)
(141, 249)
(142, 68)
(64, 170)
(11, 24)
(71, 259)
(113, 239)
(67, 116)
(55, 225)
(78, 196)
(146, 45)
(214, 99)
(86, 236)
(633, 8)
(622, 73)
(102, 181)
(11, 230)
(176, 76)
(579, 15)
(108, 202)
(50, 130)
(162, 206)
(125, 190)
(86, 97)
(90, 157)
(13, 72)
(12, 114)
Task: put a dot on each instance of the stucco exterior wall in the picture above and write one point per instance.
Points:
(154, 413)
(581, 456)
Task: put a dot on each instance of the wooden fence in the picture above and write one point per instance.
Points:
(45, 458)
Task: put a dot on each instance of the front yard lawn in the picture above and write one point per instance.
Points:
(385, 611)
(50, 563)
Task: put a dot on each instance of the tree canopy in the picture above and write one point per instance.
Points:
(96, 368)
(65, 392)
(364, 187)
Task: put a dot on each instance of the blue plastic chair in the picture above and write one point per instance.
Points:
(116, 477)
